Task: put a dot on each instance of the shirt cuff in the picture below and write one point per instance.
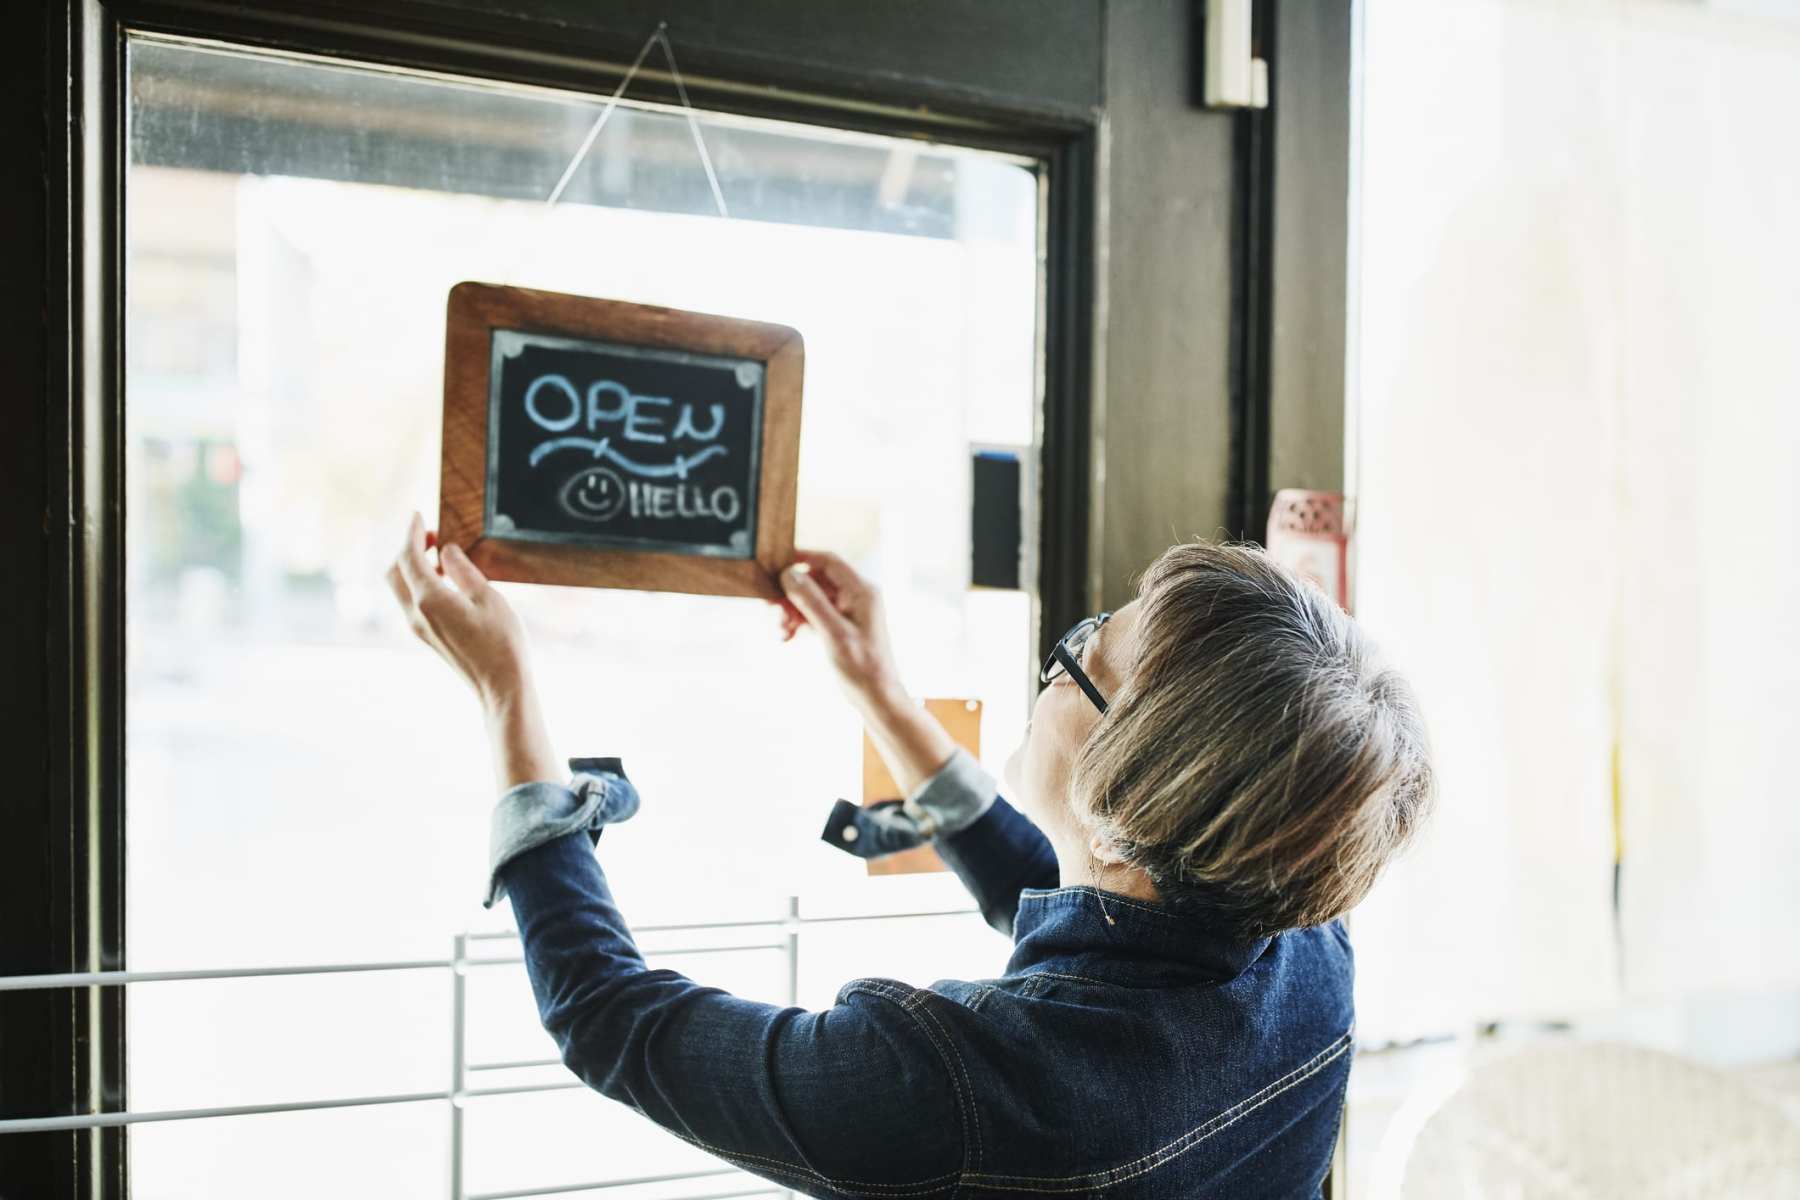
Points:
(954, 798)
(950, 801)
(597, 795)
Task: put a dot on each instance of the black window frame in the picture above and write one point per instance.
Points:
(62, 870)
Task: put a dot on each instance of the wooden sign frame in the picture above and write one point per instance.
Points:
(476, 310)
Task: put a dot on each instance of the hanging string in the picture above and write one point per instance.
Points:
(612, 102)
(693, 121)
(659, 35)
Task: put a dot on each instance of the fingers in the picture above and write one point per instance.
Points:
(397, 584)
(427, 590)
(462, 571)
(415, 620)
(807, 596)
(834, 574)
(787, 618)
(824, 590)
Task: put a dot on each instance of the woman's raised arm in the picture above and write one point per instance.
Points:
(993, 849)
(845, 610)
(454, 610)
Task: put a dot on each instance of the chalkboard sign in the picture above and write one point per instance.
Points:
(626, 446)
(618, 445)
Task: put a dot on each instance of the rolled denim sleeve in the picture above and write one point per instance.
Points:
(597, 795)
(993, 848)
(954, 798)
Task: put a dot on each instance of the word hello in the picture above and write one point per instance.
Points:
(663, 501)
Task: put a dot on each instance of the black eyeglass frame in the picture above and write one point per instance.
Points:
(1065, 655)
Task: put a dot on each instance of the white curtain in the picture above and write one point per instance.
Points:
(1710, 546)
(1576, 418)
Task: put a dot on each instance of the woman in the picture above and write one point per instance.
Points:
(1213, 775)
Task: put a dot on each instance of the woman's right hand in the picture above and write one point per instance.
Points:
(845, 610)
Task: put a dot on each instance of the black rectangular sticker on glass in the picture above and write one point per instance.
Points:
(996, 533)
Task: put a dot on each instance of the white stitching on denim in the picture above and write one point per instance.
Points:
(1267, 1092)
(979, 996)
(939, 1183)
(1084, 890)
(1109, 1180)
(1167, 1153)
(963, 1103)
(883, 1191)
(1076, 978)
(974, 1113)
(891, 1191)
(909, 1003)
(914, 1188)
(1092, 1179)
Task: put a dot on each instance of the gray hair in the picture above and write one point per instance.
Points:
(1258, 760)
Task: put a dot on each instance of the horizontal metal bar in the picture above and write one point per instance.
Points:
(638, 1181)
(655, 952)
(18, 983)
(520, 1089)
(693, 926)
(30, 983)
(516, 1065)
(769, 1190)
(108, 1120)
(907, 916)
(769, 923)
(667, 951)
(512, 935)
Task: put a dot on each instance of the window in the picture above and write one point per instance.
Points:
(305, 784)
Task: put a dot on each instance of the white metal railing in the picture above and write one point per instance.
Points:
(459, 1093)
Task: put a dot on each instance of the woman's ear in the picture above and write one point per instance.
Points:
(1101, 847)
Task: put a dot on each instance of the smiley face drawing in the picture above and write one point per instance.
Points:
(594, 494)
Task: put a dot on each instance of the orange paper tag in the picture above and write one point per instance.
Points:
(962, 720)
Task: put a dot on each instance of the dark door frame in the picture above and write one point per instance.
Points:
(62, 865)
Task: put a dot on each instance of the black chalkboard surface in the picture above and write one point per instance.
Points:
(601, 443)
(635, 447)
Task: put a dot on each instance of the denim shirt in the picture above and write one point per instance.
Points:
(1126, 1051)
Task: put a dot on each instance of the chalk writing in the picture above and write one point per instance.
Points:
(627, 408)
(593, 494)
(626, 445)
(681, 500)
(637, 425)
(603, 449)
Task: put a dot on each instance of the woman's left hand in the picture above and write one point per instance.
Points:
(470, 625)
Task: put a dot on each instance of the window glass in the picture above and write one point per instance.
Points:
(306, 783)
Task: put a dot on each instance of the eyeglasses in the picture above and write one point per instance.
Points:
(1065, 658)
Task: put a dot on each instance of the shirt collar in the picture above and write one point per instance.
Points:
(1065, 930)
